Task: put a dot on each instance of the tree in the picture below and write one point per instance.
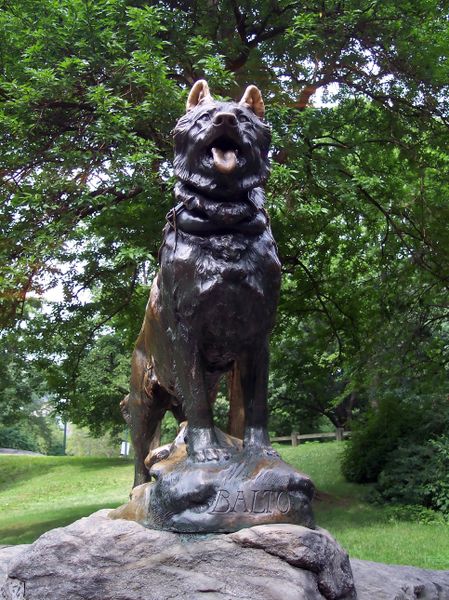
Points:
(357, 194)
(81, 443)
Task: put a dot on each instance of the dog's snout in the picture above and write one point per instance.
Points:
(225, 118)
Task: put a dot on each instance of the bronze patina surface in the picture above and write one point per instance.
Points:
(247, 489)
(211, 309)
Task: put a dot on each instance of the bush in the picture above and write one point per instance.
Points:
(15, 437)
(407, 475)
(439, 487)
(37, 434)
(374, 438)
(413, 513)
(418, 474)
(394, 424)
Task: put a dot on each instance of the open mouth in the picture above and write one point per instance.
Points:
(224, 152)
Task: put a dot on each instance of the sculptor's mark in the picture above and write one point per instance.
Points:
(254, 502)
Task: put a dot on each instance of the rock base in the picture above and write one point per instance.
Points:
(98, 558)
(101, 559)
(249, 488)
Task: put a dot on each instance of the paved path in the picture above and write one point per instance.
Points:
(14, 451)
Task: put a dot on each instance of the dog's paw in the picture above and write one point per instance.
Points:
(210, 455)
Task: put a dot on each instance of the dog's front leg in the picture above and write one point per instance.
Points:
(253, 369)
(202, 443)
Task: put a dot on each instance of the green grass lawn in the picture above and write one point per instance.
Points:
(39, 493)
(365, 530)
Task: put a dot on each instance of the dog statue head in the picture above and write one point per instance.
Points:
(222, 147)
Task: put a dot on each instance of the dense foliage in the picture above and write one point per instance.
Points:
(358, 196)
(418, 475)
(403, 446)
(396, 424)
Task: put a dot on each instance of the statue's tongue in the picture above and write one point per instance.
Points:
(225, 161)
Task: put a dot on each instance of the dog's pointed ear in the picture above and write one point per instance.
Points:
(253, 98)
(199, 93)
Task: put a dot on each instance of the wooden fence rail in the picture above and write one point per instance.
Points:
(295, 438)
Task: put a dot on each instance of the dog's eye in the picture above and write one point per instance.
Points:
(243, 119)
(204, 117)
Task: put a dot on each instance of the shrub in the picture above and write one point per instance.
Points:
(439, 487)
(413, 513)
(15, 437)
(374, 438)
(418, 474)
(394, 424)
(407, 475)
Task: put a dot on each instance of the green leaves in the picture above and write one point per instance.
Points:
(86, 114)
(146, 24)
(89, 92)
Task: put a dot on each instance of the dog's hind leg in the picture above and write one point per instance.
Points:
(143, 409)
(144, 426)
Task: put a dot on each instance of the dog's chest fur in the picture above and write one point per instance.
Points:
(224, 287)
(218, 286)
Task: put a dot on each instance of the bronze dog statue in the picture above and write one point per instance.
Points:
(213, 303)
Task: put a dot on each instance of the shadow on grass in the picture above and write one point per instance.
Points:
(25, 531)
(100, 462)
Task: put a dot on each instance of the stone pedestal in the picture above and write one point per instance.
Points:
(250, 488)
(97, 558)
